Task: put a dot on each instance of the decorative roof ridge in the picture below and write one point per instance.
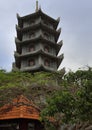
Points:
(36, 13)
(22, 100)
(19, 101)
(12, 111)
(22, 17)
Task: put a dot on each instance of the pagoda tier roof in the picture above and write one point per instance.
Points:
(35, 53)
(57, 59)
(37, 14)
(20, 108)
(40, 26)
(39, 39)
(38, 68)
(35, 27)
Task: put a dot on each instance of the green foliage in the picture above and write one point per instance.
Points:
(34, 86)
(74, 102)
(60, 102)
(69, 99)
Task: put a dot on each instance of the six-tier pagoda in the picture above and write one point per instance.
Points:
(36, 43)
(37, 49)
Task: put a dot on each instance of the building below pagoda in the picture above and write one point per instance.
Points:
(37, 45)
(20, 114)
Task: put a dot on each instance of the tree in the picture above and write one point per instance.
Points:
(74, 101)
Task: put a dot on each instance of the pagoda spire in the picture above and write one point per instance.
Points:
(36, 6)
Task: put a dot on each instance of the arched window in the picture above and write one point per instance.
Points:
(46, 35)
(31, 48)
(46, 49)
(31, 62)
(47, 62)
(32, 22)
(31, 34)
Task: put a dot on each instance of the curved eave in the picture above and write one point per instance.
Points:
(60, 43)
(34, 53)
(38, 26)
(18, 46)
(49, 69)
(19, 32)
(48, 18)
(38, 68)
(32, 16)
(36, 15)
(19, 117)
(20, 22)
(58, 34)
(17, 41)
(57, 59)
(60, 58)
(36, 40)
(58, 47)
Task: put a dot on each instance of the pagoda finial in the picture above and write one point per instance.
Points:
(36, 5)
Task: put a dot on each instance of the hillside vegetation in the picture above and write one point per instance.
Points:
(67, 97)
(36, 87)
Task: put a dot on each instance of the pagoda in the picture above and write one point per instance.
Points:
(37, 45)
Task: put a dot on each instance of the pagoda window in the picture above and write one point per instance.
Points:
(31, 48)
(31, 35)
(46, 35)
(46, 49)
(31, 62)
(25, 36)
(47, 62)
(32, 22)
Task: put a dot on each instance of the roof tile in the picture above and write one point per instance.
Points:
(20, 107)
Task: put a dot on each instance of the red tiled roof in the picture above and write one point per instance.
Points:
(20, 107)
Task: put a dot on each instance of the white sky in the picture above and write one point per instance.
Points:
(76, 24)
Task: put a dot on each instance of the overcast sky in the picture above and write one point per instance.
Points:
(76, 24)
